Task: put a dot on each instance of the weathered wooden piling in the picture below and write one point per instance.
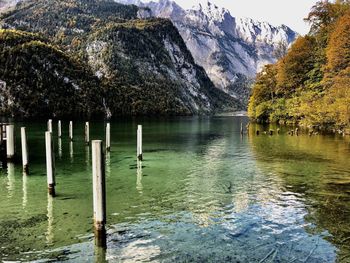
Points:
(241, 128)
(49, 125)
(59, 129)
(108, 136)
(99, 192)
(71, 130)
(24, 150)
(50, 163)
(10, 142)
(87, 133)
(139, 142)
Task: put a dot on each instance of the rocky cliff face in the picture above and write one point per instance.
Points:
(231, 50)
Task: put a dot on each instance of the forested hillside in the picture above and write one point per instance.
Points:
(310, 85)
(37, 79)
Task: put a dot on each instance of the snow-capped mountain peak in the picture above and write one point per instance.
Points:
(230, 49)
(212, 11)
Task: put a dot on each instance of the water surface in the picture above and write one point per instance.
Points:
(202, 194)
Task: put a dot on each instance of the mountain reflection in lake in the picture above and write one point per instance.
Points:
(202, 193)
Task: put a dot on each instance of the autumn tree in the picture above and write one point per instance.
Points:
(293, 68)
(324, 13)
(311, 83)
(338, 50)
(264, 90)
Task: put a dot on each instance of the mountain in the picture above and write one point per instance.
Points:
(5, 4)
(140, 66)
(231, 50)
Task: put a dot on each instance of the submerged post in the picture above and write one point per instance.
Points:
(59, 129)
(87, 133)
(49, 125)
(108, 137)
(71, 130)
(139, 142)
(10, 142)
(99, 192)
(241, 128)
(24, 150)
(50, 163)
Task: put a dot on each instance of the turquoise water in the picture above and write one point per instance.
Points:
(202, 194)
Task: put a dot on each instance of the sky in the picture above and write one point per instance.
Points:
(276, 12)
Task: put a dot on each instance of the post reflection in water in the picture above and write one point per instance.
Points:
(139, 186)
(87, 156)
(71, 151)
(25, 193)
(108, 164)
(60, 148)
(100, 254)
(11, 179)
(50, 218)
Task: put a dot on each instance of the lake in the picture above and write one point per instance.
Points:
(203, 193)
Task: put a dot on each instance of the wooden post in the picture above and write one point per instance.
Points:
(50, 163)
(87, 133)
(59, 128)
(108, 137)
(24, 150)
(241, 128)
(49, 125)
(99, 192)
(71, 130)
(10, 141)
(139, 142)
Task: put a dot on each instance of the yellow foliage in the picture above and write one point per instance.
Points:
(338, 51)
(312, 82)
